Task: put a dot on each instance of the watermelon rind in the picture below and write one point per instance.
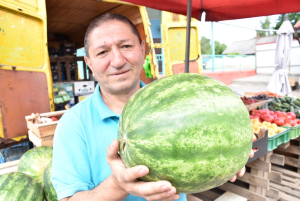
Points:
(34, 162)
(49, 190)
(189, 129)
(18, 186)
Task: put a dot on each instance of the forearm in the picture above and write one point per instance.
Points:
(105, 191)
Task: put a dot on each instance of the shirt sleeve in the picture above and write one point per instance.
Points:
(71, 170)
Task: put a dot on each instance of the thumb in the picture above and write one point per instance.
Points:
(112, 151)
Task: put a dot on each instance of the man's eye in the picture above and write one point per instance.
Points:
(102, 53)
(127, 46)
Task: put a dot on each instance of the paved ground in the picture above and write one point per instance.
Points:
(255, 83)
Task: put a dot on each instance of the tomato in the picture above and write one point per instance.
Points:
(279, 121)
(264, 112)
(282, 115)
(271, 112)
(290, 121)
(292, 114)
(253, 112)
(268, 118)
(298, 121)
(277, 112)
(54, 119)
(288, 118)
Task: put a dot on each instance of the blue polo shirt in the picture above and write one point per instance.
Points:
(79, 150)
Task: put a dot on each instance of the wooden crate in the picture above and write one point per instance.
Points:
(45, 129)
(8, 167)
(40, 141)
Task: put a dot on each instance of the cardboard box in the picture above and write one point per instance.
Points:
(45, 129)
(83, 88)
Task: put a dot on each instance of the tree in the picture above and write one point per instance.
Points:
(293, 17)
(206, 46)
(264, 25)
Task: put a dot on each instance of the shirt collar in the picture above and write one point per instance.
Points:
(102, 108)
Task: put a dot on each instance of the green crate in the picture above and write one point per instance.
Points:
(278, 139)
(294, 132)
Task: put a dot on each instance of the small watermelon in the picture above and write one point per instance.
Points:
(18, 186)
(34, 162)
(189, 129)
(49, 190)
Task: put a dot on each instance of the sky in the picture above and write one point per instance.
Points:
(224, 33)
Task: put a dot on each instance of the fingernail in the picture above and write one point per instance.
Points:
(171, 192)
(176, 197)
(112, 145)
(143, 171)
(164, 188)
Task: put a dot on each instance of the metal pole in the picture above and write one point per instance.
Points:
(188, 30)
(212, 46)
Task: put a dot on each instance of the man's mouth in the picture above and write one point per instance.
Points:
(120, 73)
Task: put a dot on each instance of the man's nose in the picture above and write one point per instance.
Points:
(117, 59)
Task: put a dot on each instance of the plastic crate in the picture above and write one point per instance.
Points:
(260, 145)
(14, 153)
(294, 132)
(278, 139)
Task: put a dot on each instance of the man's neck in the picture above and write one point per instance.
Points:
(116, 102)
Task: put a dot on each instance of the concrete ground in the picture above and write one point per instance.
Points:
(256, 83)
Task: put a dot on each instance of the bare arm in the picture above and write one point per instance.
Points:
(123, 181)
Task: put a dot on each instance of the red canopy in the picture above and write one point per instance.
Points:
(217, 10)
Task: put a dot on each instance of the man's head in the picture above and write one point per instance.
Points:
(115, 54)
(105, 18)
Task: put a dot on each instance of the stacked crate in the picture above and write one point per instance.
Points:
(42, 134)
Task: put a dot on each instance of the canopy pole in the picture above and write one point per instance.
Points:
(188, 31)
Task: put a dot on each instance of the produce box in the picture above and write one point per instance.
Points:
(278, 139)
(294, 131)
(44, 129)
(256, 104)
(260, 145)
(40, 141)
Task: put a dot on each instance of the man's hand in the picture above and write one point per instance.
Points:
(125, 179)
(243, 170)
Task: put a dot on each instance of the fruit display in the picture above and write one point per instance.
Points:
(49, 190)
(268, 93)
(285, 104)
(177, 127)
(247, 101)
(279, 118)
(272, 128)
(34, 162)
(17, 186)
(261, 97)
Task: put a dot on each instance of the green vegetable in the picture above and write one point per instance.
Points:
(277, 100)
(291, 108)
(274, 104)
(296, 102)
(177, 127)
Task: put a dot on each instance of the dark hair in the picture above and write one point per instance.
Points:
(105, 18)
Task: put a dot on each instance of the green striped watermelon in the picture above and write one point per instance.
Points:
(18, 186)
(34, 162)
(49, 190)
(189, 129)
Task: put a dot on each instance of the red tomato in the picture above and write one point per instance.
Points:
(54, 119)
(277, 112)
(288, 118)
(292, 114)
(298, 121)
(279, 121)
(264, 112)
(253, 112)
(271, 112)
(290, 121)
(282, 115)
(268, 118)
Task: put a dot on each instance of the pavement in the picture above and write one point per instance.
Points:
(257, 83)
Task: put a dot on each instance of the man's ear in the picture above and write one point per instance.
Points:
(89, 63)
(143, 47)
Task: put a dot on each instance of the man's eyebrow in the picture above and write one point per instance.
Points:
(119, 42)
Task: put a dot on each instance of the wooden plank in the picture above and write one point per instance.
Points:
(260, 165)
(273, 193)
(192, 198)
(58, 65)
(7, 167)
(242, 192)
(290, 184)
(285, 145)
(287, 178)
(286, 172)
(295, 162)
(291, 149)
(209, 194)
(285, 197)
(40, 141)
(68, 69)
(255, 180)
(277, 159)
(275, 176)
(285, 189)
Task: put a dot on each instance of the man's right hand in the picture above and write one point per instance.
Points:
(125, 179)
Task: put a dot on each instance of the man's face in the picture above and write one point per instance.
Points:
(116, 57)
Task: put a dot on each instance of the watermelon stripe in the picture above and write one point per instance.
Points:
(189, 129)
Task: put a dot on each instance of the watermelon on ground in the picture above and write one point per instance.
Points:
(34, 162)
(189, 129)
(18, 186)
(49, 190)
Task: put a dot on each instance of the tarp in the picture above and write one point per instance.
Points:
(279, 82)
(218, 10)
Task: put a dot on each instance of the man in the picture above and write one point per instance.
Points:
(86, 164)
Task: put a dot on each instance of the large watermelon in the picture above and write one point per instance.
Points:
(18, 186)
(189, 129)
(49, 190)
(35, 161)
